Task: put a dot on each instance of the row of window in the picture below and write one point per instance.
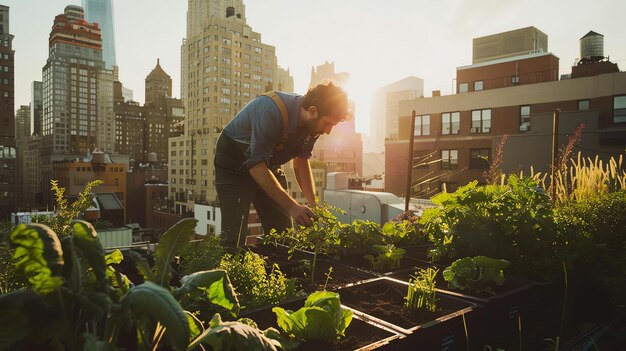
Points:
(481, 119)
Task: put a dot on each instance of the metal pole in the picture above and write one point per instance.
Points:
(409, 169)
(555, 152)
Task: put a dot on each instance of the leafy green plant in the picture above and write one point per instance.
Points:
(240, 335)
(421, 291)
(256, 286)
(322, 237)
(476, 274)
(386, 256)
(321, 319)
(514, 221)
(201, 255)
(79, 301)
(358, 237)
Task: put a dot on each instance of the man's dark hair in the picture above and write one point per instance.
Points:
(328, 98)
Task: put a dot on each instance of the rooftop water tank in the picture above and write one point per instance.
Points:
(592, 46)
(152, 157)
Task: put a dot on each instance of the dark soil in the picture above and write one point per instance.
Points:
(384, 300)
(358, 333)
(361, 263)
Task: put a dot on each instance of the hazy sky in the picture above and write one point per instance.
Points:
(376, 41)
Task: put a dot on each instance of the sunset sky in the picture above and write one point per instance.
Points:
(377, 42)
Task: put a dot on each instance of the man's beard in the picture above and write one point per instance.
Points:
(311, 126)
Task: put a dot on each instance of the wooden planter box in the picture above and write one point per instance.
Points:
(361, 334)
(497, 322)
(381, 300)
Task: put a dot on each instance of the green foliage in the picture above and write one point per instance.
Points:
(10, 278)
(478, 274)
(155, 303)
(235, 336)
(38, 255)
(66, 212)
(256, 286)
(214, 285)
(81, 302)
(593, 228)
(513, 221)
(387, 256)
(358, 238)
(323, 237)
(201, 255)
(321, 319)
(170, 244)
(421, 291)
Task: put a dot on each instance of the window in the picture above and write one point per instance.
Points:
(481, 121)
(619, 109)
(583, 105)
(449, 159)
(515, 80)
(478, 85)
(479, 158)
(463, 87)
(524, 118)
(449, 187)
(422, 125)
(450, 123)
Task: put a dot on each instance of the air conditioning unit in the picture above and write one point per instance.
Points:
(487, 130)
(524, 127)
(474, 130)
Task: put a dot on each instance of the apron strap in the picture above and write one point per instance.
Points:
(284, 114)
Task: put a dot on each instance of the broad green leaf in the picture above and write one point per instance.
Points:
(142, 265)
(214, 284)
(152, 301)
(308, 324)
(195, 326)
(114, 257)
(170, 243)
(86, 239)
(39, 256)
(226, 336)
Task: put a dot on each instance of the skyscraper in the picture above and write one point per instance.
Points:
(36, 107)
(75, 118)
(158, 85)
(101, 12)
(225, 64)
(8, 183)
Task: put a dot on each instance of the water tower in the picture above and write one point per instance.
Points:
(592, 47)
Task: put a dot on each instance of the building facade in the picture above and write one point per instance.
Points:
(142, 132)
(463, 130)
(77, 89)
(8, 176)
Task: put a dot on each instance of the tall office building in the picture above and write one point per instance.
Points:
(158, 85)
(36, 107)
(77, 89)
(22, 124)
(225, 64)
(78, 112)
(101, 12)
(8, 183)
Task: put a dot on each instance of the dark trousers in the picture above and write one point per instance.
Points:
(236, 190)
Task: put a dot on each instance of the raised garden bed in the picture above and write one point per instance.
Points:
(381, 300)
(360, 335)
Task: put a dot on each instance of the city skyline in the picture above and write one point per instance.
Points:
(377, 43)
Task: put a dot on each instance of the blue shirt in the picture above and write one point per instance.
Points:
(259, 126)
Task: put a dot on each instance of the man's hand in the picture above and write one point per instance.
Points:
(302, 215)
